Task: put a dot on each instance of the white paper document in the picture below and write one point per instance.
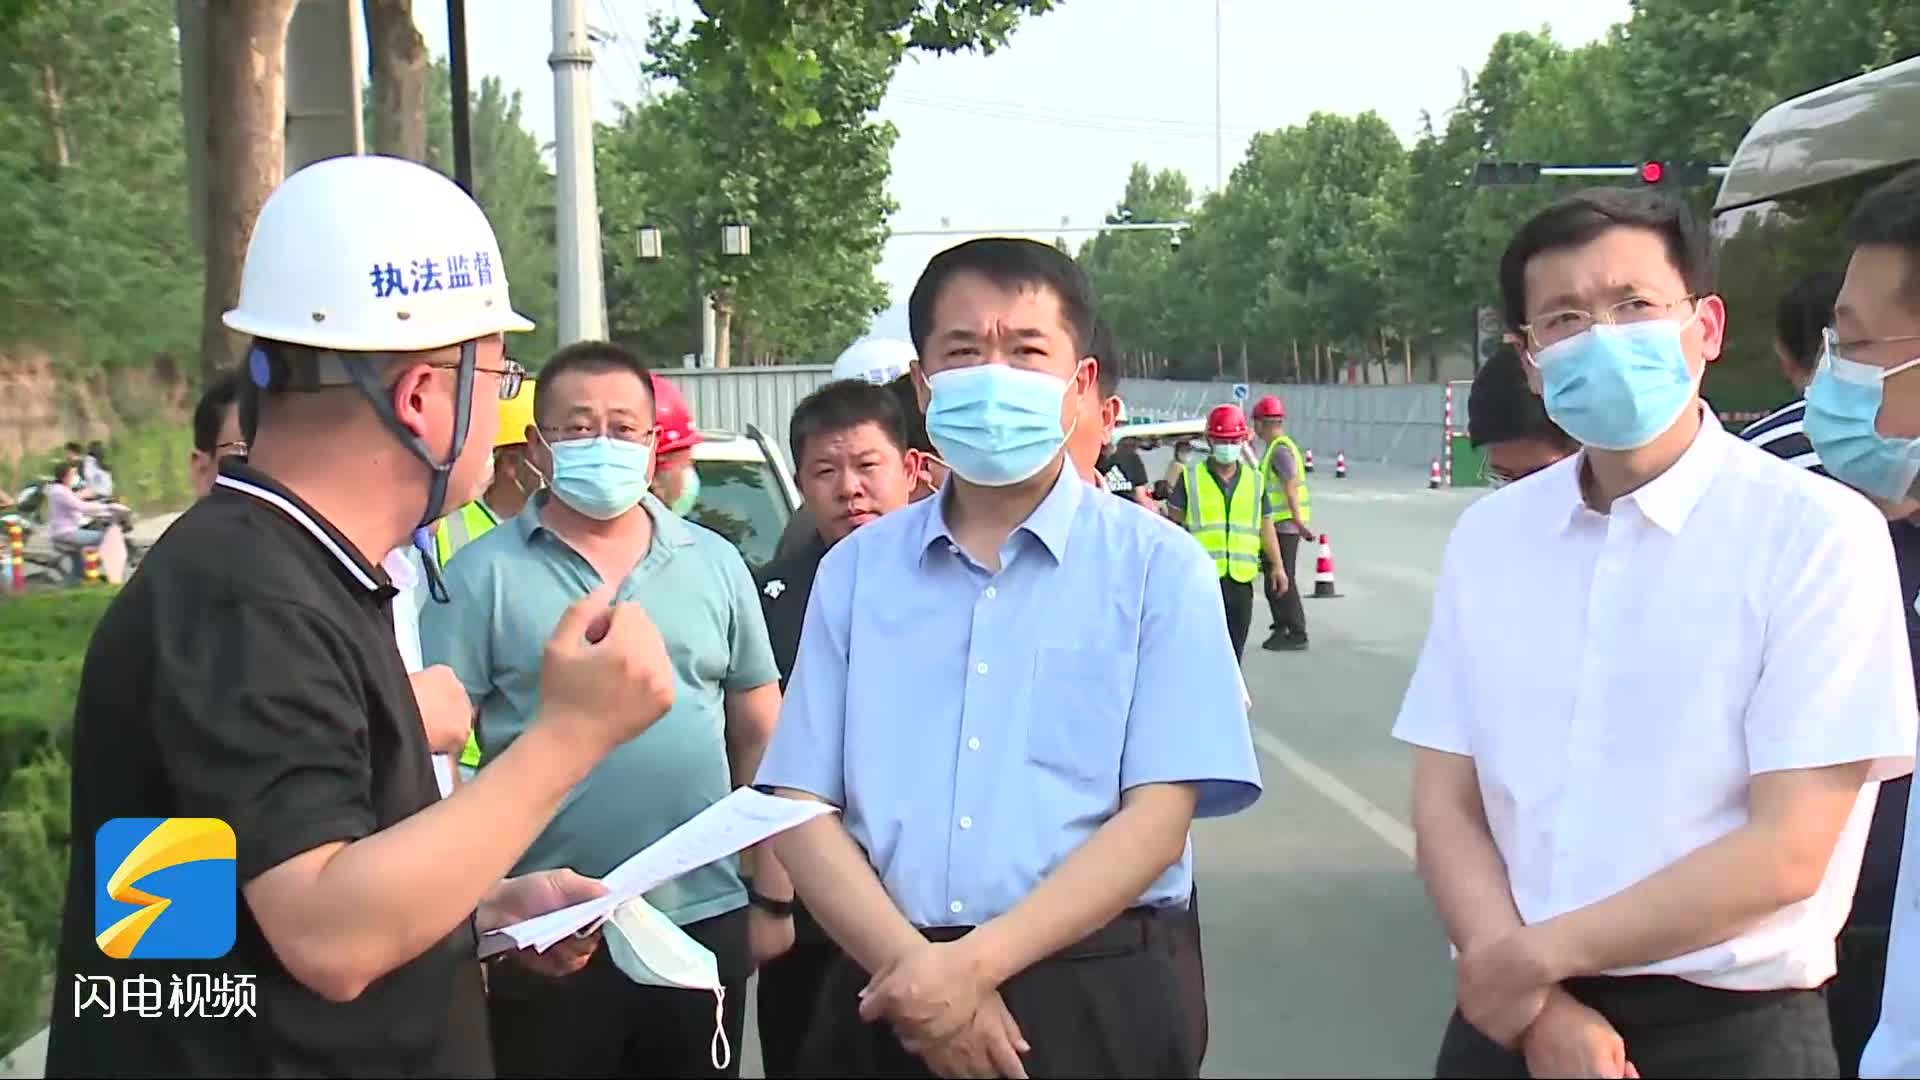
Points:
(731, 825)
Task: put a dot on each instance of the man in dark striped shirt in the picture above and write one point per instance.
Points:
(1804, 311)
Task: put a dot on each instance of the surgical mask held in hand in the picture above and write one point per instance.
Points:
(1843, 402)
(996, 425)
(649, 949)
(600, 477)
(1617, 387)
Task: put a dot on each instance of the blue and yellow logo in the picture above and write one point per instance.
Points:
(183, 907)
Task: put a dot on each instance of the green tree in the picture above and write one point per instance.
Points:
(100, 267)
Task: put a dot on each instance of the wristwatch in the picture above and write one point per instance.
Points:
(778, 908)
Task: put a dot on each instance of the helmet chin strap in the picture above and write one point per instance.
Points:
(380, 397)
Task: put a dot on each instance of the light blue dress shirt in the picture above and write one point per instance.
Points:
(976, 728)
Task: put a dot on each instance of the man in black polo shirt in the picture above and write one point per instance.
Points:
(303, 902)
(925, 471)
(852, 461)
(1118, 466)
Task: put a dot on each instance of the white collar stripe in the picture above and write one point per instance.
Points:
(306, 522)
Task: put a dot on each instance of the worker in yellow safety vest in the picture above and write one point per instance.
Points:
(1282, 467)
(1227, 507)
(513, 482)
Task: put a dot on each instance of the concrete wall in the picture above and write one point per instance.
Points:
(1394, 425)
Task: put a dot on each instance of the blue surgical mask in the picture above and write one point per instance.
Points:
(1226, 453)
(996, 425)
(600, 477)
(1842, 403)
(1617, 387)
(650, 950)
(689, 493)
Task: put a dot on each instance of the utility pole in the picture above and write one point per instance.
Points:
(462, 100)
(1219, 154)
(582, 306)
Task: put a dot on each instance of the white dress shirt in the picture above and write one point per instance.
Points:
(1617, 678)
(405, 575)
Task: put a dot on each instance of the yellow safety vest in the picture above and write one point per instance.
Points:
(1231, 534)
(460, 528)
(455, 531)
(1280, 511)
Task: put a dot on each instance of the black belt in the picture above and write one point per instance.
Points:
(1133, 930)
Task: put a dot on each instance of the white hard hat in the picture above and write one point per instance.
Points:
(877, 360)
(372, 254)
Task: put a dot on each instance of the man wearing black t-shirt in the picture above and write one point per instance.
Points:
(303, 902)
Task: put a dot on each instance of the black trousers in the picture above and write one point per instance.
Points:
(1674, 1028)
(599, 1023)
(1853, 997)
(1289, 614)
(1239, 599)
(1108, 1006)
(1190, 969)
(789, 993)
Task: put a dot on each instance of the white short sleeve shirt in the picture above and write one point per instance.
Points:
(1617, 678)
(405, 574)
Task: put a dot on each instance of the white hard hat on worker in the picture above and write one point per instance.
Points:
(356, 261)
(877, 360)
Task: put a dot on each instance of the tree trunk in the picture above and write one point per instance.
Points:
(1296, 360)
(1406, 356)
(245, 152)
(397, 56)
(56, 114)
(722, 330)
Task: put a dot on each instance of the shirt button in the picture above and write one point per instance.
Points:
(992, 592)
(973, 743)
(980, 667)
(956, 907)
(966, 823)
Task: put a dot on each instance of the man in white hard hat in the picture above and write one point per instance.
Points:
(877, 360)
(245, 723)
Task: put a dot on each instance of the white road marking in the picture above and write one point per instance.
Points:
(1377, 821)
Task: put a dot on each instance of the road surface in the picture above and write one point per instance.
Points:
(1323, 957)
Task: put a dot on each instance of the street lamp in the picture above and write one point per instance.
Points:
(735, 238)
(646, 242)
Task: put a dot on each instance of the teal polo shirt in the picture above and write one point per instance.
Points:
(507, 591)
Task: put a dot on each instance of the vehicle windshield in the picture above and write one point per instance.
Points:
(742, 501)
(1760, 250)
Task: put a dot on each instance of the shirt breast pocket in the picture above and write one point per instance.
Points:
(1077, 723)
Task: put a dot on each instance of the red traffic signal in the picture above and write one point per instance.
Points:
(1652, 172)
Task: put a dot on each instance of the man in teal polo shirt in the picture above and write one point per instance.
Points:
(594, 413)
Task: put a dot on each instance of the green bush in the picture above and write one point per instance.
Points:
(43, 642)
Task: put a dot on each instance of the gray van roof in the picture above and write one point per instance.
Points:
(1834, 133)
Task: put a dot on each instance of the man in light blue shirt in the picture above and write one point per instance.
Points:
(1016, 696)
(593, 410)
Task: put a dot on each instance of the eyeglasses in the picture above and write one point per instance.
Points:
(1845, 349)
(512, 375)
(1553, 327)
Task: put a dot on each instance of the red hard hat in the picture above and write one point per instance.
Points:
(670, 413)
(1269, 408)
(1226, 422)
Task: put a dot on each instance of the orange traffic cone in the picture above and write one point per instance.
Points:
(1433, 476)
(1323, 572)
(1309, 465)
(1340, 466)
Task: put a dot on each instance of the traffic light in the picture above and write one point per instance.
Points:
(1676, 173)
(1506, 173)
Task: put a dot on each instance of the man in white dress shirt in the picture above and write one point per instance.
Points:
(1663, 681)
(1863, 419)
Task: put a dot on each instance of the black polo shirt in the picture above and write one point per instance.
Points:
(1880, 865)
(1123, 471)
(249, 673)
(784, 584)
